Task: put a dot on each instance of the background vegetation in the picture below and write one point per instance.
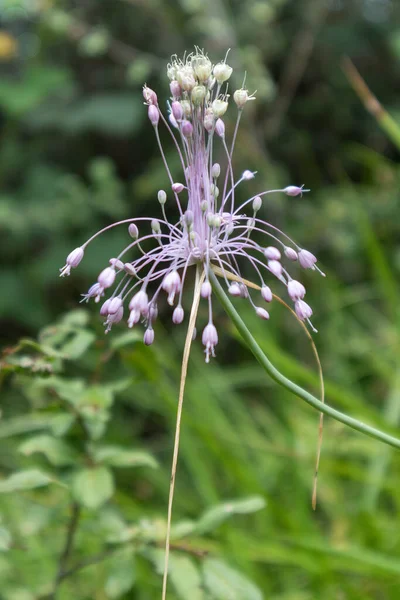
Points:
(87, 421)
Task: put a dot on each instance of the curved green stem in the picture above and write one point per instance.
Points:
(287, 383)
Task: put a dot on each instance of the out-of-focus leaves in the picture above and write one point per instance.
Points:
(216, 515)
(93, 487)
(183, 574)
(225, 583)
(116, 456)
(120, 574)
(5, 540)
(24, 480)
(57, 451)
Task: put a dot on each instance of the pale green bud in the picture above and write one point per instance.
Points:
(215, 171)
(198, 94)
(219, 107)
(204, 205)
(214, 190)
(162, 197)
(257, 202)
(155, 226)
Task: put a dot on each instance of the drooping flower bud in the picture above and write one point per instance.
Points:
(306, 259)
(133, 231)
(73, 260)
(234, 290)
(303, 310)
(172, 285)
(266, 293)
(107, 277)
(178, 315)
(210, 340)
(290, 253)
(262, 313)
(104, 308)
(150, 96)
(272, 253)
(139, 302)
(116, 263)
(222, 72)
(206, 289)
(130, 269)
(296, 290)
(148, 337)
(115, 305)
(275, 267)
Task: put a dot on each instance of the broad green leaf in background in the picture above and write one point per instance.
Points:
(116, 456)
(216, 515)
(25, 480)
(93, 487)
(225, 583)
(121, 574)
(57, 452)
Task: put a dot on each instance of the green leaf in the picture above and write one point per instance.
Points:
(216, 515)
(24, 480)
(183, 573)
(5, 539)
(121, 574)
(126, 338)
(224, 583)
(57, 452)
(116, 456)
(93, 487)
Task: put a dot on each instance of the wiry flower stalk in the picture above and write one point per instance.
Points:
(211, 229)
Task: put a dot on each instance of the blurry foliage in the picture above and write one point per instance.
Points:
(86, 419)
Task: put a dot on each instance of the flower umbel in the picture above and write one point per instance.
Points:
(211, 229)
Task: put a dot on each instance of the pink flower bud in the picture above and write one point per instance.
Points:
(262, 313)
(187, 128)
(116, 263)
(114, 306)
(75, 257)
(154, 115)
(303, 310)
(306, 259)
(234, 290)
(134, 317)
(148, 337)
(296, 290)
(139, 302)
(104, 308)
(210, 340)
(272, 253)
(133, 231)
(150, 96)
(293, 190)
(172, 285)
(220, 128)
(177, 111)
(178, 315)
(291, 254)
(175, 88)
(107, 277)
(130, 269)
(177, 187)
(266, 293)
(275, 267)
(206, 289)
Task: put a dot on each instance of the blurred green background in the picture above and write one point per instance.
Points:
(86, 418)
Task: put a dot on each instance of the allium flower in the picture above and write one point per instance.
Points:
(211, 230)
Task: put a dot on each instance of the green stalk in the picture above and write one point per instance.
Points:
(287, 383)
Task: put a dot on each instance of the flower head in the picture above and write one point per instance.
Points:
(210, 229)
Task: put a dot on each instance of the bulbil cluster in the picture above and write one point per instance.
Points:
(211, 229)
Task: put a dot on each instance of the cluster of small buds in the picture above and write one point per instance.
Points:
(210, 229)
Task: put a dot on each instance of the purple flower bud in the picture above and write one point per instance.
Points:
(266, 293)
(272, 253)
(206, 289)
(177, 111)
(175, 89)
(104, 308)
(133, 231)
(172, 285)
(262, 313)
(178, 315)
(154, 115)
(95, 290)
(114, 306)
(134, 317)
(209, 121)
(139, 302)
(291, 254)
(275, 267)
(107, 277)
(293, 190)
(234, 290)
(296, 290)
(210, 340)
(220, 128)
(148, 337)
(306, 259)
(130, 269)
(75, 257)
(303, 310)
(187, 128)
(150, 96)
(177, 187)
(116, 317)
(116, 263)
